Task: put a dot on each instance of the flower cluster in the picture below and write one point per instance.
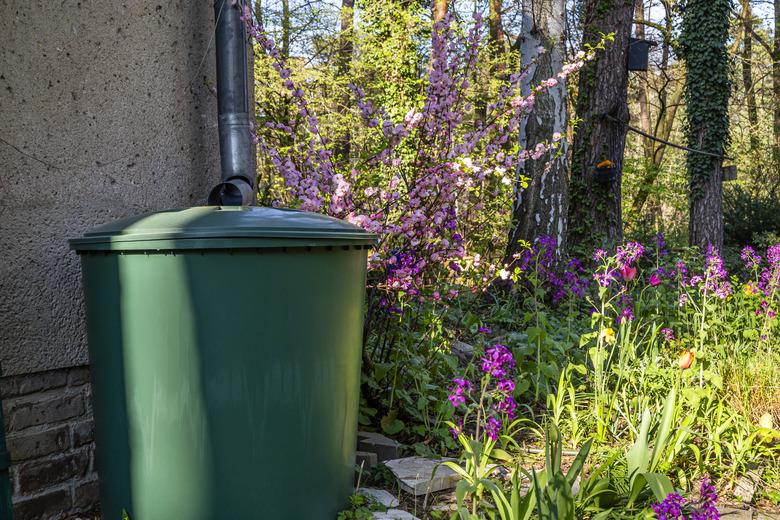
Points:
(419, 179)
(542, 259)
(628, 254)
(497, 388)
(676, 507)
(715, 276)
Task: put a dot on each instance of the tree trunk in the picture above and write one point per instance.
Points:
(286, 28)
(747, 72)
(496, 40)
(644, 109)
(705, 31)
(776, 85)
(705, 221)
(439, 10)
(602, 111)
(541, 208)
(344, 57)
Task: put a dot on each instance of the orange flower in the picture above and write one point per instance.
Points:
(604, 164)
(686, 359)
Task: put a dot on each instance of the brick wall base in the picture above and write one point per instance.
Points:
(50, 435)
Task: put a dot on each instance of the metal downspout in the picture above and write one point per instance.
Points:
(234, 102)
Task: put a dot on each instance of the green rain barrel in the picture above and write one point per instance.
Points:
(225, 356)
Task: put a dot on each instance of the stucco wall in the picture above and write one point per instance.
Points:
(105, 111)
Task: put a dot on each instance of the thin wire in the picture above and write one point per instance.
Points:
(668, 143)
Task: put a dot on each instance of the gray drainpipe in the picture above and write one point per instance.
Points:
(234, 102)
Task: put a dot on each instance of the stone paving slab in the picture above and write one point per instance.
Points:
(394, 514)
(419, 475)
(384, 447)
(381, 496)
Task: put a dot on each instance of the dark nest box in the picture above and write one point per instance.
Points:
(638, 53)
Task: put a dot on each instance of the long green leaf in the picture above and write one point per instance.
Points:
(662, 438)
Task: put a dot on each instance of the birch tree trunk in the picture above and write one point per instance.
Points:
(541, 209)
(602, 111)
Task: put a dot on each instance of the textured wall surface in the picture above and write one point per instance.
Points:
(105, 112)
(51, 440)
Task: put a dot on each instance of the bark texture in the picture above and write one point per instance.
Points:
(344, 62)
(776, 84)
(747, 71)
(541, 209)
(705, 221)
(602, 113)
(439, 10)
(703, 39)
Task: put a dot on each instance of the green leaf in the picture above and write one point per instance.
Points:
(659, 484)
(662, 437)
(390, 424)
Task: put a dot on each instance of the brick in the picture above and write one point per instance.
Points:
(86, 496)
(365, 459)
(47, 505)
(26, 446)
(83, 433)
(384, 447)
(8, 387)
(78, 376)
(33, 413)
(36, 476)
(41, 381)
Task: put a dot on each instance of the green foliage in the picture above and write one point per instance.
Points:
(361, 508)
(749, 216)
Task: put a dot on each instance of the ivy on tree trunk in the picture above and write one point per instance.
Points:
(705, 30)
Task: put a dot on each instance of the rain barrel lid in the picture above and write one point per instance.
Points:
(222, 227)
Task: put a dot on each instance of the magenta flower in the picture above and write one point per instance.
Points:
(497, 360)
(459, 391)
(655, 280)
(628, 273)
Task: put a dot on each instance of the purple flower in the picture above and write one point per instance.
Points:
(506, 386)
(660, 244)
(459, 391)
(670, 508)
(457, 430)
(497, 360)
(485, 330)
(493, 427)
(507, 406)
(715, 274)
(629, 253)
(750, 258)
(668, 334)
(627, 313)
(603, 279)
(599, 254)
